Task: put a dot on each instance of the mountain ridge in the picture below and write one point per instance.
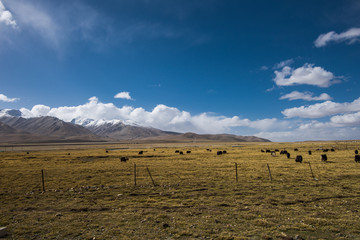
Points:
(50, 127)
(54, 129)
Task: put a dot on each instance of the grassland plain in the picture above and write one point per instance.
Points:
(91, 194)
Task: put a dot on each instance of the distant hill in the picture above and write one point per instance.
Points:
(186, 137)
(11, 135)
(6, 129)
(50, 127)
(14, 128)
(119, 131)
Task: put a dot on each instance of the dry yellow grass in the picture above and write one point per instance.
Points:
(91, 194)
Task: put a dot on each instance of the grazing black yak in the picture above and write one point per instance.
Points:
(298, 158)
(124, 159)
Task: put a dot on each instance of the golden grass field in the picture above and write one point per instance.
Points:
(90, 193)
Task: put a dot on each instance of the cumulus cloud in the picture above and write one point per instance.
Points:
(36, 111)
(307, 74)
(161, 116)
(313, 131)
(123, 95)
(348, 119)
(6, 17)
(352, 35)
(307, 96)
(324, 109)
(4, 98)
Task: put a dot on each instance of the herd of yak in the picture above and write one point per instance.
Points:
(124, 159)
(299, 158)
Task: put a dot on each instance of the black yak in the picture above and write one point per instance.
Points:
(124, 159)
(298, 158)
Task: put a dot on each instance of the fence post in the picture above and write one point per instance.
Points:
(312, 174)
(151, 177)
(134, 174)
(236, 172)
(269, 172)
(43, 181)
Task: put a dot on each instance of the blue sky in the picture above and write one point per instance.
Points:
(283, 70)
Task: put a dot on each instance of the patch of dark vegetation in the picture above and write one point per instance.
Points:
(224, 205)
(148, 156)
(85, 209)
(318, 199)
(91, 158)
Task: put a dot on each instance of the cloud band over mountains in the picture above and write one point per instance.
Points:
(344, 118)
(162, 117)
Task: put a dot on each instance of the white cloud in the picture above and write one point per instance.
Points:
(340, 127)
(123, 95)
(348, 119)
(352, 35)
(324, 109)
(283, 63)
(313, 130)
(307, 96)
(36, 111)
(162, 117)
(307, 74)
(4, 98)
(6, 17)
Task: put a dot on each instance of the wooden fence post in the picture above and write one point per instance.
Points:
(151, 177)
(43, 181)
(134, 174)
(312, 174)
(236, 172)
(269, 172)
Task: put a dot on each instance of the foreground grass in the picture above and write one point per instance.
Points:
(90, 194)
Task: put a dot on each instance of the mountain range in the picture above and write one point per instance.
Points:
(16, 129)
